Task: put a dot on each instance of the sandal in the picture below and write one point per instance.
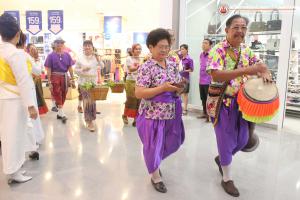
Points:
(184, 112)
(90, 126)
(80, 110)
(125, 119)
(160, 186)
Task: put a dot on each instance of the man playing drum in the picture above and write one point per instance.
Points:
(232, 131)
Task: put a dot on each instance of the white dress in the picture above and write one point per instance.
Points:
(15, 139)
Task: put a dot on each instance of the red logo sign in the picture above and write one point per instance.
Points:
(223, 9)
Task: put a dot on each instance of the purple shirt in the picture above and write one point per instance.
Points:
(59, 62)
(187, 63)
(204, 77)
(150, 75)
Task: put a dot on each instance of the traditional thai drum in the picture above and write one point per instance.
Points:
(258, 101)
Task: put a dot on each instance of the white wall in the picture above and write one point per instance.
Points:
(87, 15)
(198, 14)
(165, 15)
(140, 15)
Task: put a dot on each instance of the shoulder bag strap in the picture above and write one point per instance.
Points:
(232, 56)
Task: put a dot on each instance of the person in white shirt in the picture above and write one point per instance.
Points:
(17, 102)
(37, 68)
(86, 68)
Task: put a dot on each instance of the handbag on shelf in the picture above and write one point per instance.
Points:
(258, 26)
(273, 44)
(274, 24)
(256, 45)
(214, 28)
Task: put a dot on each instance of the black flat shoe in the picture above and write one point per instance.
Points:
(64, 119)
(217, 160)
(34, 155)
(98, 113)
(160, 186)
(230, 188)
(58, 117)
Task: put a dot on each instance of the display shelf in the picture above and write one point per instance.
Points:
(293, 95)
(262, 51)
(293, 105)
(265, 33)
(215, 35)
(249, 33)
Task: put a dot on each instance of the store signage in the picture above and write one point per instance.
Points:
(34, 21)
(140, 37)
(223, 9)
(15, 14)
(55, 21)
(107, 36)
(112, 24)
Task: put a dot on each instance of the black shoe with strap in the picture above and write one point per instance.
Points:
(160, 186)
(64, 119)
(34, 155)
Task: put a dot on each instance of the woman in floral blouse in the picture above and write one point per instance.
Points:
(159, 123)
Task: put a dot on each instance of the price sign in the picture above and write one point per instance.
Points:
(34, 21)
(55, 21)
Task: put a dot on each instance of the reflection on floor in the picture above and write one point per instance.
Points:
(108, 164)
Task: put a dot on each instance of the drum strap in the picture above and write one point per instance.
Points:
(232, 55)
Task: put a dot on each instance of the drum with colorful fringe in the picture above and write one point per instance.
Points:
(258, 101)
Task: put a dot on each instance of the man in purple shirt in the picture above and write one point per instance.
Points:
(58, 63)
(187, 67)
(204, 79)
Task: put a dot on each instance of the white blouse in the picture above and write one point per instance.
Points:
(84, 62)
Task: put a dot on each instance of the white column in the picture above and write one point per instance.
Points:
(283, 64)
(166, 13)
(182, 22)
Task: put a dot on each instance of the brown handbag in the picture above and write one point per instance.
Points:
(216, 92)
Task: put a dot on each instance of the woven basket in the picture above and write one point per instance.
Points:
(99, 93)
(118, 88)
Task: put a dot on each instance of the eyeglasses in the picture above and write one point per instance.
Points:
(163, 47)
(236, 28)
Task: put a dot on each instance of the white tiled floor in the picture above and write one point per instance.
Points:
(108, 164)
(292, 125)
